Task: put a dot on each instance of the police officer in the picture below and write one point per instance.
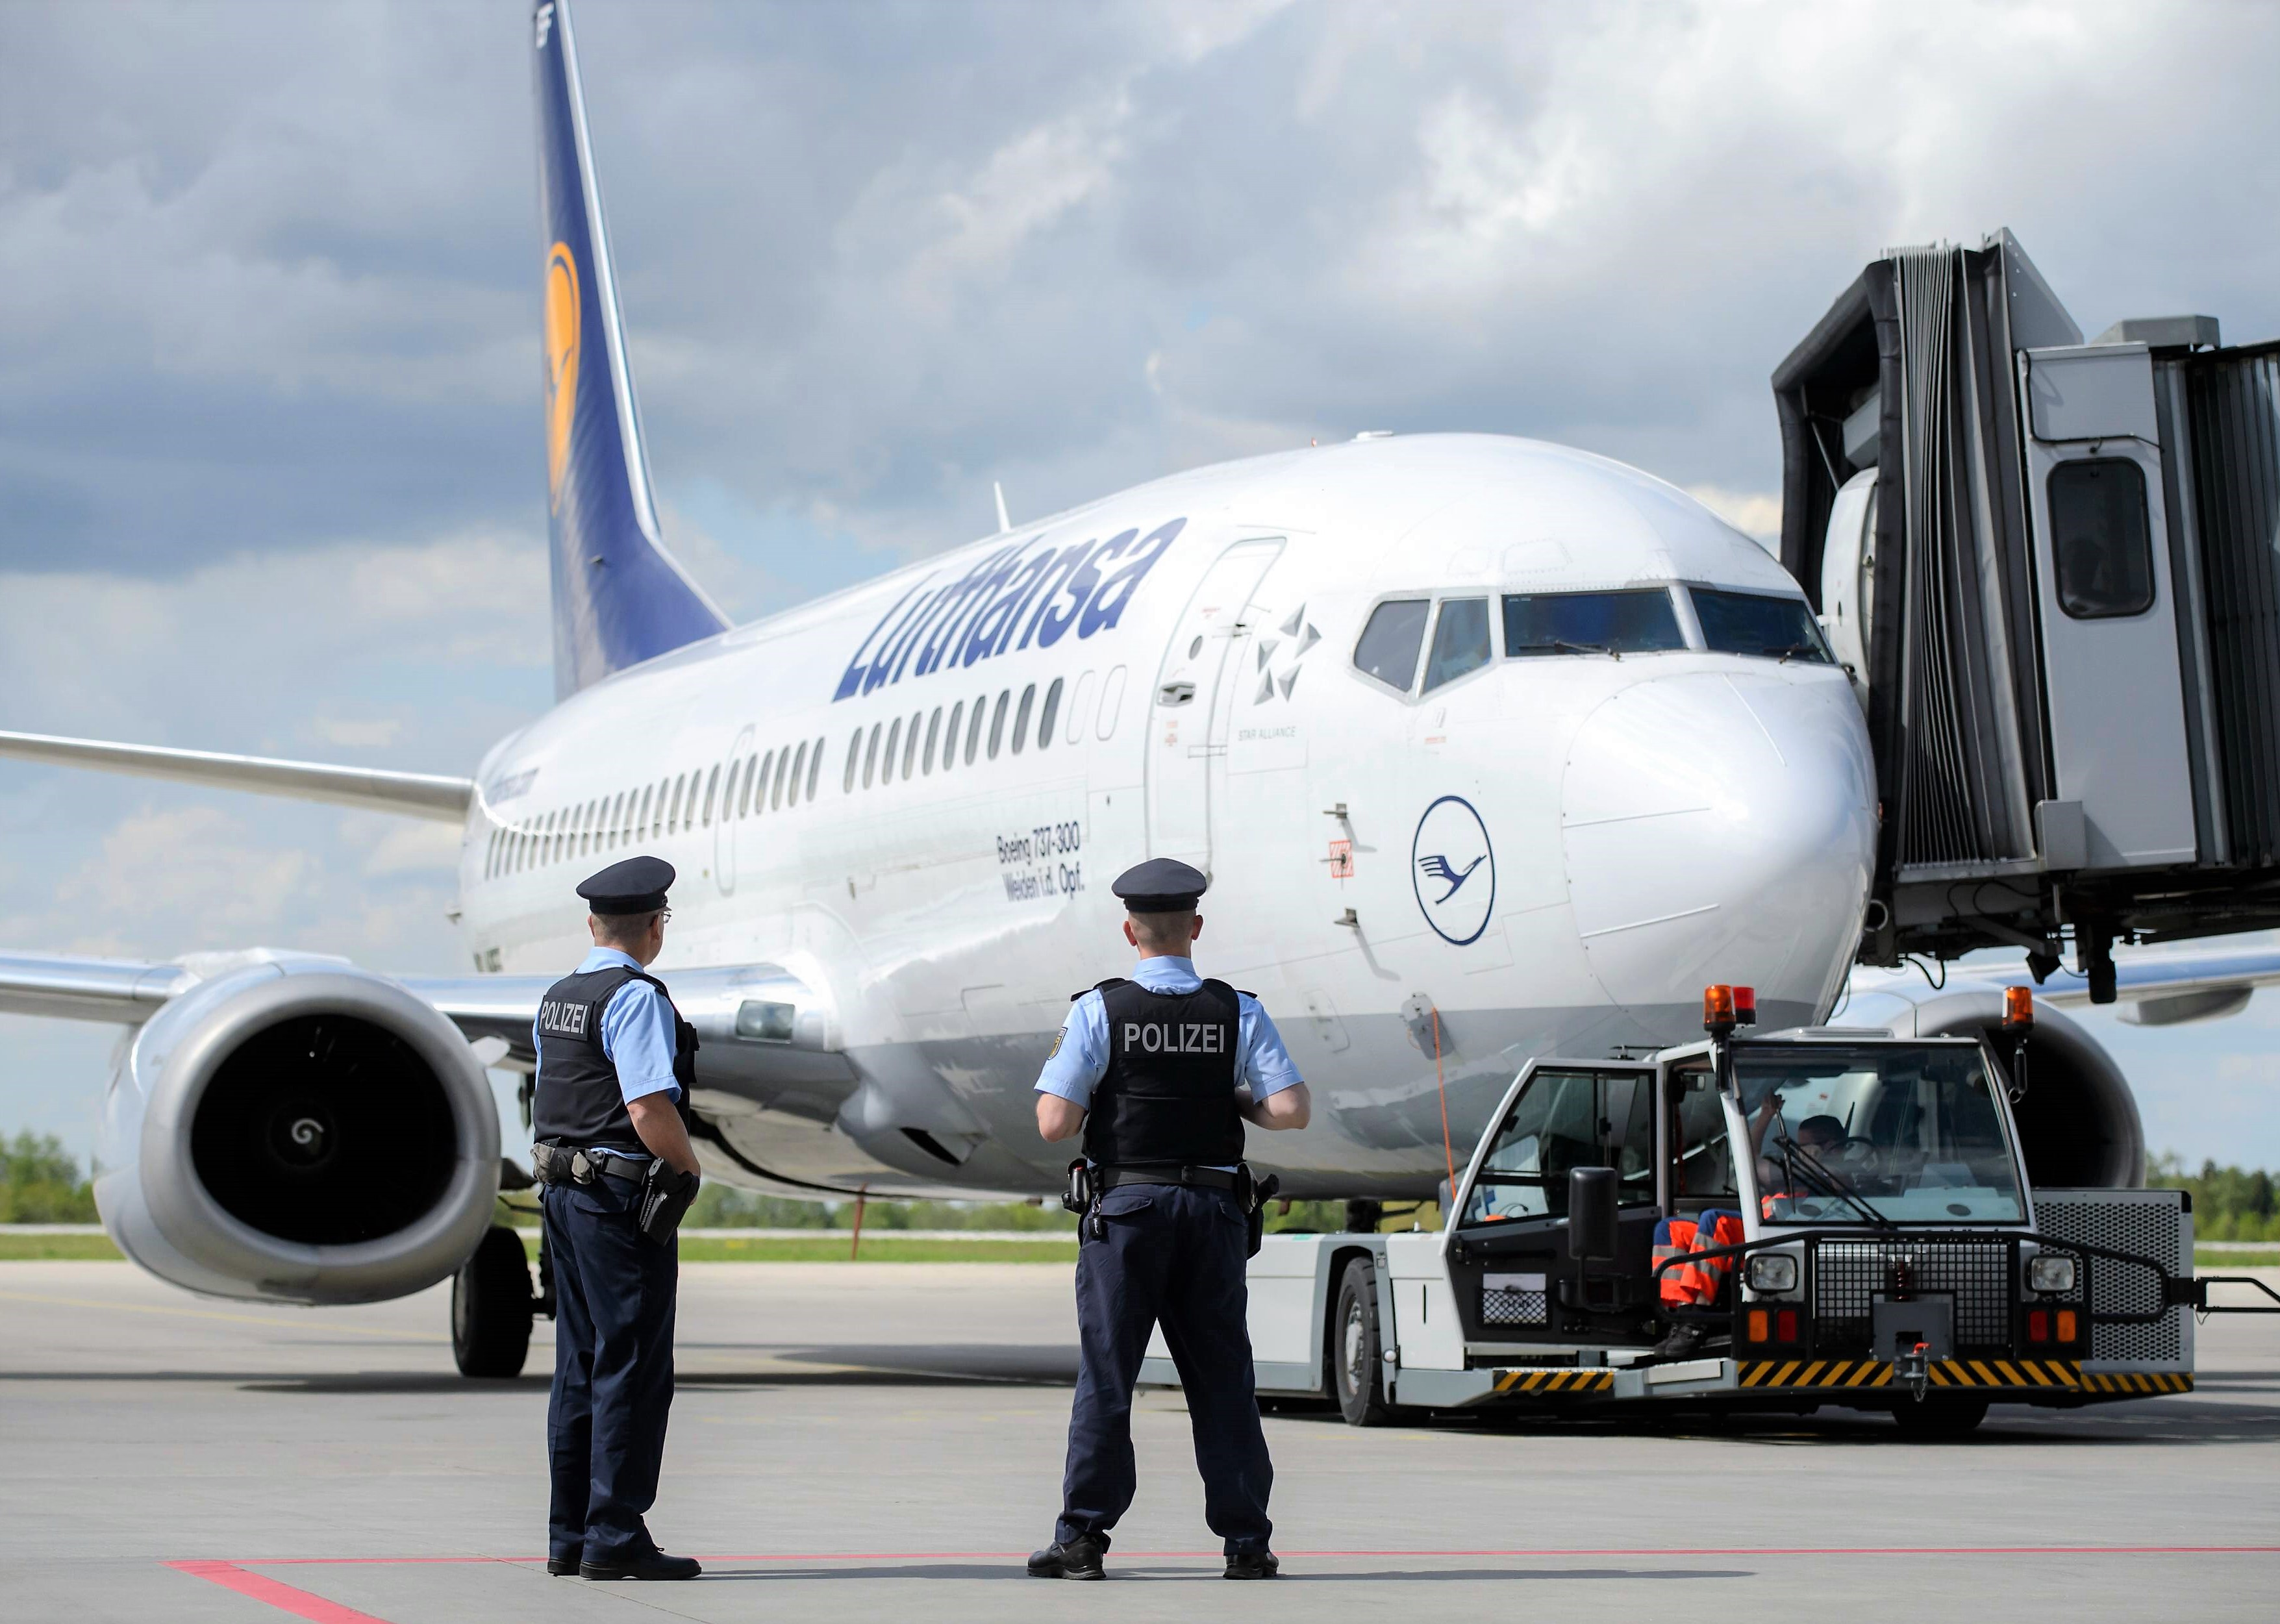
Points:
(615, 1065)
(1149, 1070)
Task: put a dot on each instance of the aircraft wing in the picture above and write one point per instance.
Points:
(127, 992)
(418, 795)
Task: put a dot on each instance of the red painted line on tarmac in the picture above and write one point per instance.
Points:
(300, 1604)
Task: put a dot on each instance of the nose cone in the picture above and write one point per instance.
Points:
(1721, 827)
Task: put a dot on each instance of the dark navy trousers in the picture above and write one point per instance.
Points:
(1174, 1255)
(613, 1302)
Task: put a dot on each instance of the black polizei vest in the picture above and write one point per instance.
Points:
(577, 1102)
(1167, 1097)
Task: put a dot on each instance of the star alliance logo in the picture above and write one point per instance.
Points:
(1295, 636)
(1452, 871)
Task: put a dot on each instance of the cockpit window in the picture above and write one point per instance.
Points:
(1755, 623)
(1391, 643)
(1633, 622)
(1461, 641)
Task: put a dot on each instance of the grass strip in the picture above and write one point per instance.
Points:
(57, 1249)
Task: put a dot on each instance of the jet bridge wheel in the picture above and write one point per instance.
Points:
(1356, 1353)
(492, 1307)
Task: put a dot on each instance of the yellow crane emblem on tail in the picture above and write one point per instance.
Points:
(561, 363)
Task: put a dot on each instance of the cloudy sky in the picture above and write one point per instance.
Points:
(271, 471)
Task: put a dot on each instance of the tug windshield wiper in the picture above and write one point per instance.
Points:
(1829, 1183)
(1790, 651)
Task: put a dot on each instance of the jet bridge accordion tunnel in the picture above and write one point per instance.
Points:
(2051, 568)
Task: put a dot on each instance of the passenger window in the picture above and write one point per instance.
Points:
(1047, 717)
(1021, 717)
(871, 755)
(886, 763)
(949, 739)
(974, 726)
(934, 732)
(2100, 538)
(1544, 623)
(1461, 641)
(776, 795)
(854, 755)
(1756, 624)
(911, 745)
(1389, 643)
(814, 768)
(759, 781)
(997, 722)
(1112, 702)
(711, 784)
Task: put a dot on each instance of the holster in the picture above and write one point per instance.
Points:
(666, 1198)
(1254, 1193)
(1081, 1192)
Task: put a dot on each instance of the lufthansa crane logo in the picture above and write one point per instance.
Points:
(1452, 870)
(561, 363)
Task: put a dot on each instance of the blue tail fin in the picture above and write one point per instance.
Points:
(619, 597)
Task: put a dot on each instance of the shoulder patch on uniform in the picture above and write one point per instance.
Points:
(1056, 1048)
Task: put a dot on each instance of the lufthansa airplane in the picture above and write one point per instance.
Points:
(1493, 750)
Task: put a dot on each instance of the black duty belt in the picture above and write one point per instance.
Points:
(1202, 1178)
(556, 1164)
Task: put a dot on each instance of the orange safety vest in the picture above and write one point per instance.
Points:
(1709, 1277)
(1674, 1237)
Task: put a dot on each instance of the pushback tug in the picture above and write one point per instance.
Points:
(1772, 1220)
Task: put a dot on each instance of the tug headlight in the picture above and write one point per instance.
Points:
(2049, 1273)
(1770, 1274)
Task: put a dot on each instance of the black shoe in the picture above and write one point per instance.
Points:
(562, 1568)
(1079, 1559)
(1682, 1341)
(1253, 1564)
(646, 1565)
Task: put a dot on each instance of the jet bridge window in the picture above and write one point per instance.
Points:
(1391, 643)
(1759, 624)
(2100, 538)
(1565, 1119)
(1461, 641)
(1629, 622)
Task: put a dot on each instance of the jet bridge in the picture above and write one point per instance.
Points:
(2050, 567)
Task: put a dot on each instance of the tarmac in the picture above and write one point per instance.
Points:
(884, 1441)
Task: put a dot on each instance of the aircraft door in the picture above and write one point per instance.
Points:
(725, 821)
(1189, 708)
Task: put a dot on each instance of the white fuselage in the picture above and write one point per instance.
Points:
(1612, 833)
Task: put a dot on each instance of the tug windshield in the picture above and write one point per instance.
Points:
(1882, 1135)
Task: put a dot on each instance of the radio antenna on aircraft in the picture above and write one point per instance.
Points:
(1003, 523)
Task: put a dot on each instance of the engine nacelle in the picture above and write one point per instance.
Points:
(2078, 1122)
(297, 1130)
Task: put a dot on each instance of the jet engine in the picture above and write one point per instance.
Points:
(299, 1130)
(2078, 1122)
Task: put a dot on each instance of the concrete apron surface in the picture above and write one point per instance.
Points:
(883, 1441)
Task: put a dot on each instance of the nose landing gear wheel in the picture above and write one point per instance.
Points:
(491, 1308)
(1356, 1354)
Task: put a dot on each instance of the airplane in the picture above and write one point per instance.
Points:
(1492, 750)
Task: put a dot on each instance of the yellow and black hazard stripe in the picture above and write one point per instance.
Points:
(1555, 1380)
(2132, 1383)
(2029, 1374)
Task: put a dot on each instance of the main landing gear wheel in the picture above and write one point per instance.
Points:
(1357, 1356)
(491, 1308)
(1938, 1417)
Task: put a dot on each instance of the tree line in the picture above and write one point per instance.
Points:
(42, 1183)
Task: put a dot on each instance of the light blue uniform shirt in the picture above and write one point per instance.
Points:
(637, 1036)
(1080, 1059)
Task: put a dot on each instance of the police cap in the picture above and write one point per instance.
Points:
(1160, 885)
(637, 885)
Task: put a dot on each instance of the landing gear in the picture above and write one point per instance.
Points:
(1938, 1416)
(1356, 1354)
(1363, 1217)
(491, 1308)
